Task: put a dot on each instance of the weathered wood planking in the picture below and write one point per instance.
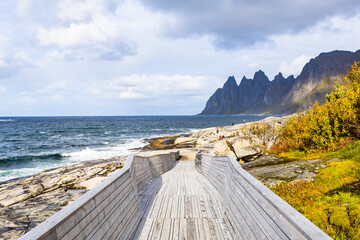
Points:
(250, 209)
(111, 210)
(144, 200)
(182, 204)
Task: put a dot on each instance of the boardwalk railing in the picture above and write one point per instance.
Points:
(111, 209)
(251, 210)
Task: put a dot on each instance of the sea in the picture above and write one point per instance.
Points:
(29, 145)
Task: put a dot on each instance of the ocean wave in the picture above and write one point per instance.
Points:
(7, 120)
(26, 158)
(104, 152)
(55, 136)
(194, 130)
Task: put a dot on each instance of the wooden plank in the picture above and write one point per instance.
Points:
(182, 201)
(183, 229)
(175, 233)
(146, 229)
(156, 233)
(191, 228)
(166, 229)
(175, 207)
(201, 228)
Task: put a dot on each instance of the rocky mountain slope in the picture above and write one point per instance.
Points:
(282, 95)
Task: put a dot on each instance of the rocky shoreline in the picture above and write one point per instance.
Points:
(25, 203)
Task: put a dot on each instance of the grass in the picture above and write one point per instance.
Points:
(350, 151)
(326, 201)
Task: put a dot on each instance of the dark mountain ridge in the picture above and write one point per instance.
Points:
(282, 95)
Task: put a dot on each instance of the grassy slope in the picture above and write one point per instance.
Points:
(332, 200)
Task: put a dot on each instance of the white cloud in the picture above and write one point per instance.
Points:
(80, 10)
(25, 100)
(74, 35)
(38, 43)
(56, 88)
(100, 29)
(23, 6)
(153, 86)
(129, 94)
(62, 85)
(2, 89)
(294, 67)
(57, 98)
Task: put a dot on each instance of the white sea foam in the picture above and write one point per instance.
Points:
(55, 136)
(26, 171)
(6, 120)
(194, 130)
(104, 152)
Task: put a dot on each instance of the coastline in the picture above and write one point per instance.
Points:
(26, 202)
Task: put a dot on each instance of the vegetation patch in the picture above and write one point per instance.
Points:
(331, 201)
(335, 212)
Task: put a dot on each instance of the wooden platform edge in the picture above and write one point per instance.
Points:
(226, 174)
(84, 211)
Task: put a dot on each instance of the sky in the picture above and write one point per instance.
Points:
(155, 57)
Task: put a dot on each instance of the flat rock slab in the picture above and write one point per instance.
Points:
(182, 204)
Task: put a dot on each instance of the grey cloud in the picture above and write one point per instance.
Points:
(236, 23)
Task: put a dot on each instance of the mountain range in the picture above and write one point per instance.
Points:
(283, 95)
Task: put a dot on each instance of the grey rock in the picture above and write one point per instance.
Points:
(271, 170)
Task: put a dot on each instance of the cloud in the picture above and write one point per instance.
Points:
(54, 91)
(2, 89)
(12, 58)
(88, 29)
(155, 57)
(235, 23)
(25, 100)
(153, 86)
(294, 67)
(80, 10)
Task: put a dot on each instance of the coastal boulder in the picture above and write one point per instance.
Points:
(204, 133)
(222, 149)
(185, 142)
(248, 153)
(243, 142)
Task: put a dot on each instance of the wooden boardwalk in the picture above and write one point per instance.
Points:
(156, 198)
(181, 204)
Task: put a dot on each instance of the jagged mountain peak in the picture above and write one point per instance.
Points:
(244, 78)
(231, 82)
(260, 76)
(279, 76)
(283, 95)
